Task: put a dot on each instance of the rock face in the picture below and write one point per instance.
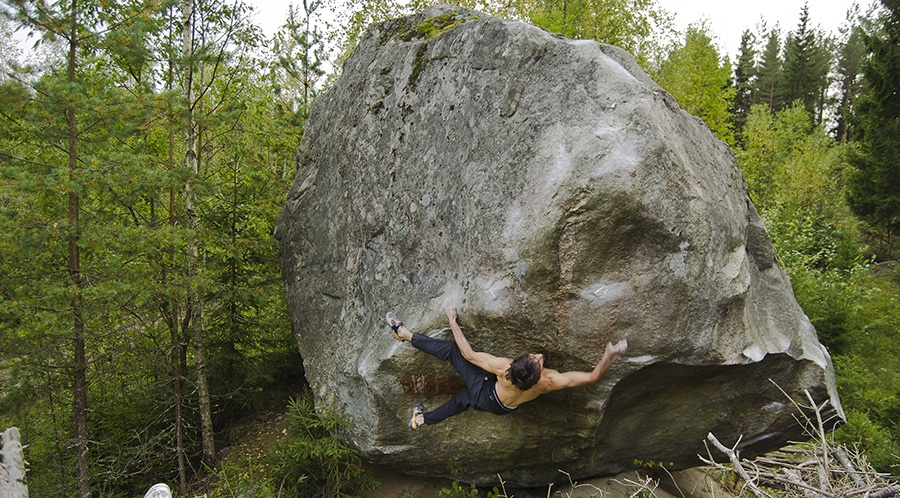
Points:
(563, 200)
(12, 465)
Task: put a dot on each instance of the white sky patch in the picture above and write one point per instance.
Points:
(729, 20)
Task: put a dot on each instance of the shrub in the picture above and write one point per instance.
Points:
(314, 462)
(827, 273)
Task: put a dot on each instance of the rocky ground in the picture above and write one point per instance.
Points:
(252, 441)
(691, 483)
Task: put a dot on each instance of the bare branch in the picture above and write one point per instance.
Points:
(818, 466)
(886, 493)
(732, 455)
(842, 458)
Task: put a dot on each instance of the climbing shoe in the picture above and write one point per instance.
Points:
(394, 324)
(418, 409)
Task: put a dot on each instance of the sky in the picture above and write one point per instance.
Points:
(727, 18)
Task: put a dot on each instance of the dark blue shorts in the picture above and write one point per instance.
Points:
(480, 392)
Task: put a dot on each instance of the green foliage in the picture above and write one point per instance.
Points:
(744, 77)
(700, 80)
(132, 235)
(243, 476)
(314, 462)
(794, 172)
(826, 272)
(849, 60)
(793, 166)
(872, 379)
(795, 175)
(869, 394)
(295, 73)
(874, 185)
(769, 72)
(129, 181)
(638, 26)
(251, 347)
(456, 490)
(630, 24)
(807, 62)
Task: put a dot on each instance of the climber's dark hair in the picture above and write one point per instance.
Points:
(524, 372)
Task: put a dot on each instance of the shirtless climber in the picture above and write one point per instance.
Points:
(496, 385)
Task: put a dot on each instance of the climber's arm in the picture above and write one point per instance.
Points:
(574, 379)
(484, 361)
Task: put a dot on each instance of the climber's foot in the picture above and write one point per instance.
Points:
(417, 417)
(394, 324)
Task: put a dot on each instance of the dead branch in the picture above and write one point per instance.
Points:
(732, 455)
(842, 458)
(886, 493)
(820, 466)
(798, 483)
(821, 426)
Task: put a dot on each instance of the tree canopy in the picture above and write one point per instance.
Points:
(874, 185)
(700, 79)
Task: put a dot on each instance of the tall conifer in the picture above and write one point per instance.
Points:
(874, 186)
(745, 74)
(807, 63)
(850, 56)
(769, 74)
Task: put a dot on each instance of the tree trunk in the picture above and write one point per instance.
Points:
(195, 303)
(171, 307)
(79, 381)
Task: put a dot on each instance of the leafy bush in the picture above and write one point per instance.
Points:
(869, 378)
(314, 462)
(875, 441)
(457, 490)
(826, 270)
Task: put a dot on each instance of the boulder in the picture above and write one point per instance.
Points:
(563, 200)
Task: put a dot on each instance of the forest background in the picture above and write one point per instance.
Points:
(146, 147)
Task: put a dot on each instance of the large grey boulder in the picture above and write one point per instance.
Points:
(563, 200)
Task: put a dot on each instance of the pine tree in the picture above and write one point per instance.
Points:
(807, 63)
(295, 73)
(700, 79)
(133, 240)
(78, 130)
(70, 22)
(744, 84)
(769, 75)
(72, 112)
(874, 186)
(850, 56)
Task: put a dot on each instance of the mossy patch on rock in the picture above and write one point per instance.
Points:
(406, 30)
